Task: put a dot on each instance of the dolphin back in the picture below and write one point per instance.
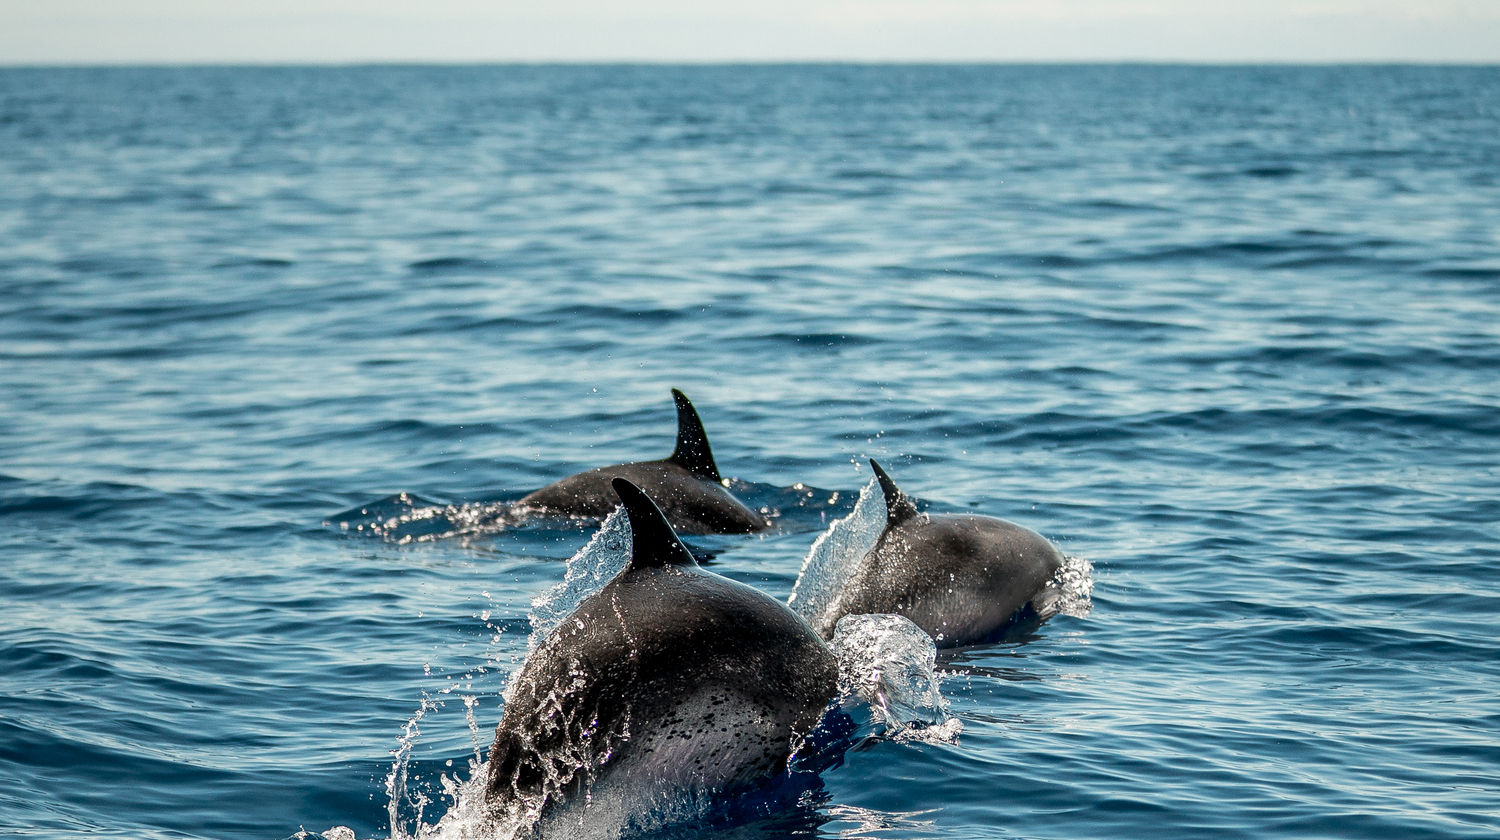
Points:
(669, 678)
(686, 485)
(963, 578)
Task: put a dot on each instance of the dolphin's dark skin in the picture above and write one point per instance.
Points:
(962, 578)
(686, 486)
(669, 677)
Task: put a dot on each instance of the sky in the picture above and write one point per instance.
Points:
(340, 31)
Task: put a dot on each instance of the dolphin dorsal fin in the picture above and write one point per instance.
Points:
(692, 452)
(898, 507)
(653, 542)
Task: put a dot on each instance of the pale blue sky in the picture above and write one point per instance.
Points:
(176, 31)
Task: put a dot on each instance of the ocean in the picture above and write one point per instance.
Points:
(1230, 336)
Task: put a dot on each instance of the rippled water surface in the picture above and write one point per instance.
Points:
(1230, 335)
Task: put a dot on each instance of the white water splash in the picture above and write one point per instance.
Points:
(595, 565)
(855, 821)
(890, 663)
(836, 552)
(400, 794)
(338, 832)
(466, 817)
(1070, 591)
(404, 519)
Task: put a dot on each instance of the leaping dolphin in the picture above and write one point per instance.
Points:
(963, 578)
(670, 677)
(686, 485)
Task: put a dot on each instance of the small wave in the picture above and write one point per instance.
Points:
(1397, 422)
(1332, 260)
(574, 313)
(1388, 358)
(1116, 205)
(1285, 251)
(440, 265)
(1483, 273)
(122, 267)
(1270, 171)
(253, 262)
(54, 663)
(456, 323)
(857, 174)
(808, 340)
(92, 500)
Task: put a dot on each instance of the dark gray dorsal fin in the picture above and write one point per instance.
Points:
(652, 540)
(898, 508)
(692, 452)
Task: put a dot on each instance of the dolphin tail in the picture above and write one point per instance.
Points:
(898, 507)
(692, 452)
(653, 542)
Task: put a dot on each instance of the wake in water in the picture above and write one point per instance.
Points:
(406, 518)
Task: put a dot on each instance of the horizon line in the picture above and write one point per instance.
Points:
(144, 63)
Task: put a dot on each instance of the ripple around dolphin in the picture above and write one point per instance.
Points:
(889, 690)
(409, 518)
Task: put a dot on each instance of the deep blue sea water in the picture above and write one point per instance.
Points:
(1232, 335)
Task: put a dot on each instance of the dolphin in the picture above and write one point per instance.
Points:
(686, 485)
(963, 578)
(669, 678)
